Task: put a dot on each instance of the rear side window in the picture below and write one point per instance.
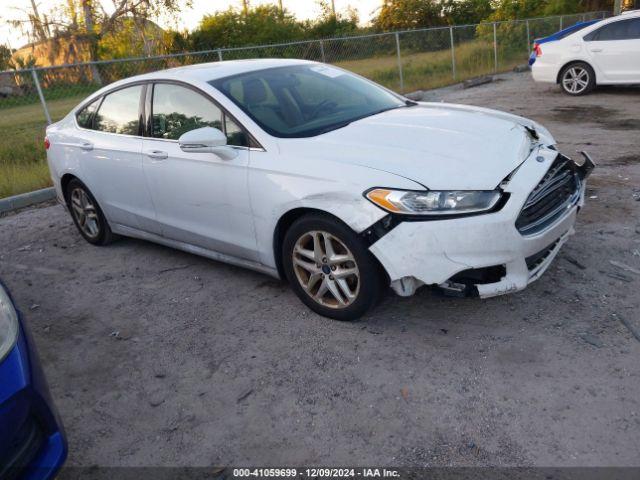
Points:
(620, 30)
(177, 110)
(119, 112)
(85, 116)
(633, 32)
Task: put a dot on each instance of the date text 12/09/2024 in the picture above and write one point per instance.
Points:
(315, 473)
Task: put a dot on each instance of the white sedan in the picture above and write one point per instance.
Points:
(307, 172)
(602, 53)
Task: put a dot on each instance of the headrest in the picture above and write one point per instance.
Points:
(254, 91)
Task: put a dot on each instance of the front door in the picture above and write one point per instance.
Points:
(200, 198)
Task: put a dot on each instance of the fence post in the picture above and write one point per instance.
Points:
(453, 54)
(584, 17)
(561, 22)
(399, 62)
(495, 48)
(34, 74)
(219, 55)
(528, 37)
(324, 58)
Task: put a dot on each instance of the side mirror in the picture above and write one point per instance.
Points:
(206, 140)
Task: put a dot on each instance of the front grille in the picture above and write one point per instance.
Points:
(557, 190)
(23, 448)
(537, 259)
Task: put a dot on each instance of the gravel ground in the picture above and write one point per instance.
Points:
(158, 357)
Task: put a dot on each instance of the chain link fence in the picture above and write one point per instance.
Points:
(403, 61)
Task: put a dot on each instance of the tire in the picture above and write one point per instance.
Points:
(342, 286)
(87, 214)
(577, 79)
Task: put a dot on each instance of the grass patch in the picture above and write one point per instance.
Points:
(23, 165)
(425, 70)
(22, 157)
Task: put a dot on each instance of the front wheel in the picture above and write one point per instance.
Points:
(577, 79)
(330, 268)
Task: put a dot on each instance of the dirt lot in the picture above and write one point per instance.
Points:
(158, 357)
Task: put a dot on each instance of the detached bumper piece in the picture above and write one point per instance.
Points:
(587, 166)
(535, 261)
(464, 284)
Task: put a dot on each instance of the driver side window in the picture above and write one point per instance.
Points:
(177, 110)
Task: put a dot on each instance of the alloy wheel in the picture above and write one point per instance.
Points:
(326, 269)
(575, 80)
(85, 212)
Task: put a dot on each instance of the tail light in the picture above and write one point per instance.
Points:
(47, 143)
(537, 49)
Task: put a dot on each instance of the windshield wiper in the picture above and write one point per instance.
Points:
(335, 126)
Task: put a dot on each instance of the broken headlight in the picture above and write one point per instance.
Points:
(434, 202)
(8, 324)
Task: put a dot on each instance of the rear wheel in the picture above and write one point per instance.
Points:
(577, 79)
(329, 268)
(87, 215)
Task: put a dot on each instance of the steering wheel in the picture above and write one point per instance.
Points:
(324, 104)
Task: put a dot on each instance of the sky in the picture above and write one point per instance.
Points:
(188, 18)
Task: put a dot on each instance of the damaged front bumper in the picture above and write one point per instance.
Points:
(484, 255)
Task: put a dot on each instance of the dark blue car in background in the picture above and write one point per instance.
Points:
(32, 441)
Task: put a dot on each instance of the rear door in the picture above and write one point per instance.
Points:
(615, 50)
(200, 198)
(110, 144)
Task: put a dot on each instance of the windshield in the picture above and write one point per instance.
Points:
(305, 100)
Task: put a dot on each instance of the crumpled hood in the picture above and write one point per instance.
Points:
(441, 146)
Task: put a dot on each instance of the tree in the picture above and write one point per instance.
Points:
(514, 9)
(99, 24)
(464, 12)
(262, 24)
(5, 57)
(90, 22)
(40, 28)
(132, 38)
(332, 24)
(406, 14)
(20, 63)
(88, 13)
(559, 7)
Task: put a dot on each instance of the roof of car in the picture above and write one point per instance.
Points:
(200, 72)
(605, 21)
(214, 70)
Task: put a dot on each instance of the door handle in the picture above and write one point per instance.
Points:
(86, 146)
(596, 50)
(157, 154)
